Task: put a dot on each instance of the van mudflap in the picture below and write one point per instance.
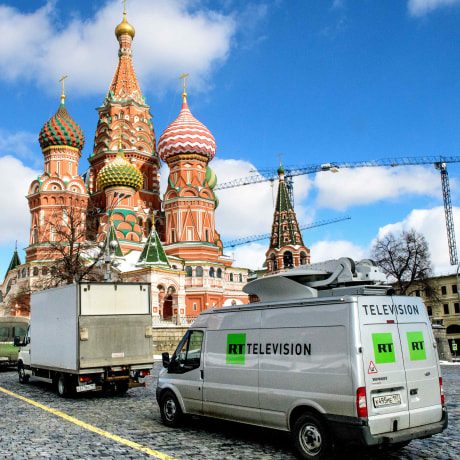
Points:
(351, 430)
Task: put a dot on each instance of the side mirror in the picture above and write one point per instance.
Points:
(17, 341)
(165, 359)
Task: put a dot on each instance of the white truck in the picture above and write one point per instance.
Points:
(89, 337)
(328, 353)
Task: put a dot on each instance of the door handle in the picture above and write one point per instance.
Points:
(414, 391)
(202, 374)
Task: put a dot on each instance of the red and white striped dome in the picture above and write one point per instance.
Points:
(186, 135)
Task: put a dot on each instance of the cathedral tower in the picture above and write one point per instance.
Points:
(58, 198)
(189, 202)
(125, 117)
(286, 244)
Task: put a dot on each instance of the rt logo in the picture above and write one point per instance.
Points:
(385, 347)
(384, 350)
(417, 345)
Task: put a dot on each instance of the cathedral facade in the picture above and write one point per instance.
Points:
(116, 208)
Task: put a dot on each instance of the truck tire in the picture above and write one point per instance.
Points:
(171, 412)
(23, 377)
(62, 385)
(311, 439)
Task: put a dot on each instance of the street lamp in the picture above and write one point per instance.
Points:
(111, 246)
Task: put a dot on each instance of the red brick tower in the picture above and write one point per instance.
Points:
(286, 244)
(125, 116)
(58, 198)
(189, 202)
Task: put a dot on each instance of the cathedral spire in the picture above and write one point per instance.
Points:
(286, 248)
(124, 85)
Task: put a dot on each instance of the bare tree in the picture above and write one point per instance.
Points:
(76, 258)
(406, 261)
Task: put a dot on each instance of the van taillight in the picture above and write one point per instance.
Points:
(441, 389)
(361, 403)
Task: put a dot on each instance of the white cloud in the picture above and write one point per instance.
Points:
(248, 210)
(422, 7)
(171, 35)
(326, 250)
(21, 144)
(248, 256)
(351, 187)
(13, 207)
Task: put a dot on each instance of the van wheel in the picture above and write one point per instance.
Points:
(170, 410)
(311, 439)
(23, 377)
(62, 385)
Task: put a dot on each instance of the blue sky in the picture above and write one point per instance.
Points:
(314, 80)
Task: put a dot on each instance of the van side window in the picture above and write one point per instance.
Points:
(19, 331)
(188, 355)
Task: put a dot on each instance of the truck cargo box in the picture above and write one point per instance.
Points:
(91, 325)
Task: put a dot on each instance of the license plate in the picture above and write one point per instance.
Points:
(387, 400)
(91, 386)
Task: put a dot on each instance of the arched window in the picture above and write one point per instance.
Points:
(219, 273)
(188, 271)
(211, 272)
(240, 278)
(303, 258)
(35, 272)
(274, 262)
(231, 276)
(288, 260)
(199, 271)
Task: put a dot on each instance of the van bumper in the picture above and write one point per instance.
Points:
(356, 431)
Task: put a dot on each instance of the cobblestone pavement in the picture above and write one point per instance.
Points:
(30, 432)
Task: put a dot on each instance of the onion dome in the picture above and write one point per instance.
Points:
(61, 129)
(280, 170)
(124, 28)
(186, 135)
(120, 172)
(211, 178)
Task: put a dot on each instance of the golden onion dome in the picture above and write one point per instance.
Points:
(124, 28)
(120, 173)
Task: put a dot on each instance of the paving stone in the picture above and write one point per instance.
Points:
(28, 432)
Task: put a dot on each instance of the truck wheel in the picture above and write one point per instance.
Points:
(170, 410)
(311, 439)
(23, 377)
(122, 388)
(62, 385)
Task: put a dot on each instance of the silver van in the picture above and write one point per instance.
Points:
(330, 360)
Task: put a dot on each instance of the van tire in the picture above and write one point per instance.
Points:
(23, 377)
(311, 439)
(171, 412)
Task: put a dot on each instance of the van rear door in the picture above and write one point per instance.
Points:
(421, 365)
(383, 365)
(401, 373)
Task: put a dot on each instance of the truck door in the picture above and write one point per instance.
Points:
(422, 373)
(186, 369)
(383, 365)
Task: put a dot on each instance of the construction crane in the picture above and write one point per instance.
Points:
(439, 163)
(250, 239)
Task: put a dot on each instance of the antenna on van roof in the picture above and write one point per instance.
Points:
(305, 281)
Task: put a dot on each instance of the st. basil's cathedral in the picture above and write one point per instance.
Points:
(172, 244)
